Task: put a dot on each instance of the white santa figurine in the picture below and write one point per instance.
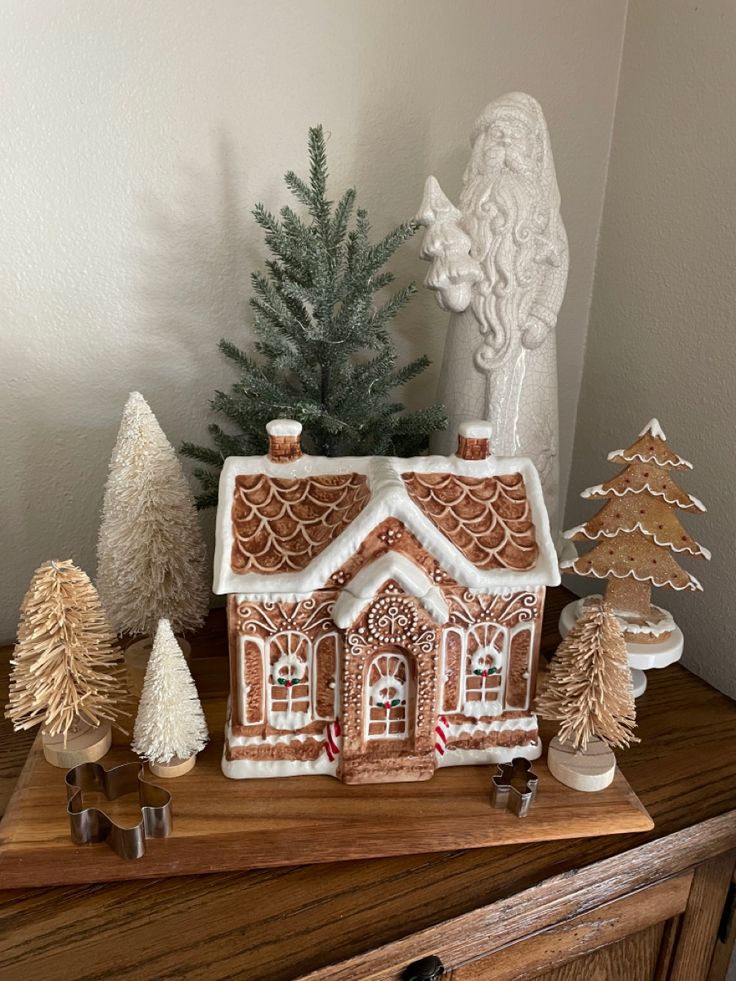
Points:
(499, 265)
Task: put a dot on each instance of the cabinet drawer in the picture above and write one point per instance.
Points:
(611, 923)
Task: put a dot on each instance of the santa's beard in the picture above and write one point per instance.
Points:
(498, 215)
(498, 208)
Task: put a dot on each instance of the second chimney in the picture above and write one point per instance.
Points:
(474, 440)
(284, 444)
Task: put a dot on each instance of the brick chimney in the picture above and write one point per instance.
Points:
(474, 440)
(284, 444)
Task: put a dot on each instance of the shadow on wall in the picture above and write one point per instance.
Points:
(194, 282)
(195, 265)
(380, 157)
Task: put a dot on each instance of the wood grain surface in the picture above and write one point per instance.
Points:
(225, 825)
(286, 922)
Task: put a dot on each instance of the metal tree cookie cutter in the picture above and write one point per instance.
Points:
(505, 794)
(90, 824)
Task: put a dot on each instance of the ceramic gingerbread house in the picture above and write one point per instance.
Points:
(384, 614)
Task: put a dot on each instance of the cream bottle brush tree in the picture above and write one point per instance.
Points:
(151, 553)
(67, 669)
(170, 728)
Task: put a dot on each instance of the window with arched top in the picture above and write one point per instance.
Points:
(387, 697)
(485, 670)
(289, 679)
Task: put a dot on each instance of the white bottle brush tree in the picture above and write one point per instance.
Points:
(151, 553)
(170, 725)
(67, 668)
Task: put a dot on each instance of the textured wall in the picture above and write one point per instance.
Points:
(662, 340)
(137, 137)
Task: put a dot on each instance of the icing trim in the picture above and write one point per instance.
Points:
(284, 427)
(654, 429)
(624, 456)
(475, 429)
(597, 492)
(569, 566)
(582, 530)
(362, 589)
(389, 498)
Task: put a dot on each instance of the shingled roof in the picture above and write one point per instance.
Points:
(284, 528)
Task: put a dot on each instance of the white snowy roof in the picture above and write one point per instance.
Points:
(375, 490)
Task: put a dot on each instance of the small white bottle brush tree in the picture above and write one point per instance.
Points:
(170, 728)
(151, 553)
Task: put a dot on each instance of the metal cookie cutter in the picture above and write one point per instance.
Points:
(90, 824)
(505, 794)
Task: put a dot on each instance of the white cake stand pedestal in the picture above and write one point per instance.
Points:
(642, 657)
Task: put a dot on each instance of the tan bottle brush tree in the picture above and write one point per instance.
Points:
(589, 687)
(637, 533)
(589, 691)
(67, 671)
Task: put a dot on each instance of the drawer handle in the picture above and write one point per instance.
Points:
(427, 969)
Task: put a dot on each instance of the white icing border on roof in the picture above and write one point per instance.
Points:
(363, 587)
(389, 498)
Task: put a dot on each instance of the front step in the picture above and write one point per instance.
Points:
(408, 768)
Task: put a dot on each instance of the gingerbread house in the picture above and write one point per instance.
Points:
(384, 614)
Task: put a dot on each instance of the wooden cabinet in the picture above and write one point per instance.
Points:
(666, 930)
(619, 920)
(615, 908)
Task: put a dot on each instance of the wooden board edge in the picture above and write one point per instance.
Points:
(20, 871)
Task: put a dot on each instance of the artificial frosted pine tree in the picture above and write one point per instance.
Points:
(589, 686)
(67, 667)
(151, 553)
(170, 727)
(323, 351)
(637, 532)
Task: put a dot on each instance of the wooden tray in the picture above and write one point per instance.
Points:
(226, 825)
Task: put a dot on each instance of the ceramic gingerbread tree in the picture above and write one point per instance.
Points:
(639, 539)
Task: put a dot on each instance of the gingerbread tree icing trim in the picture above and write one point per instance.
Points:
(651, 447)
(637, 532)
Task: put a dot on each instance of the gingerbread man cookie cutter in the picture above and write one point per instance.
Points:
(91, 824)
(503, 792)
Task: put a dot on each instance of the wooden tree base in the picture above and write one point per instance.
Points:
(590, 770)
(175, 768)
(87, 745)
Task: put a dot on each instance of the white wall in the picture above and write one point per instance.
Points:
(139, 133)
(662, 339)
